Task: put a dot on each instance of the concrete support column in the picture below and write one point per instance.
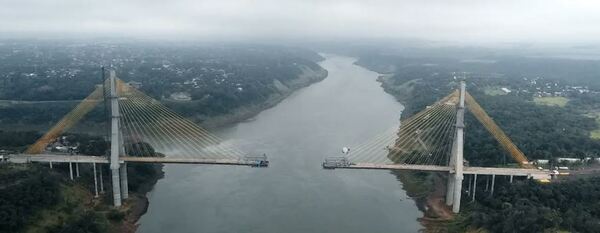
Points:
(50, 165)
(77, 169)
(493, 180)
(474, 187)
(101, 181)
(71, 170)
(470, 180)
(511, 178)
(124, 185)
(95, 181)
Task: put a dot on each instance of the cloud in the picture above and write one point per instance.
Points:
(449, 20)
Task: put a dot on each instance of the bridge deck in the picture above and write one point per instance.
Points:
(536, 174)
(187, 160)
(61, 158)
(56, 158)
(398, 167)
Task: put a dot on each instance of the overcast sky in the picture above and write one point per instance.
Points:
(555, 21)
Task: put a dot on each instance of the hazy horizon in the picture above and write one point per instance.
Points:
(461, 22)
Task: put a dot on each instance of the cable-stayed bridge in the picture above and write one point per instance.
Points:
(433, 140)
(142, 130)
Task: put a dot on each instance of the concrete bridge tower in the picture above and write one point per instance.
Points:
(118, 172)
(455, 177)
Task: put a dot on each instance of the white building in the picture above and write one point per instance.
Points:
(542, 161)
(181, 96)
(568, 160)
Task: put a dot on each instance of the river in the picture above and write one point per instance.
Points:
(294, 194)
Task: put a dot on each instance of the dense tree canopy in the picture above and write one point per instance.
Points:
(22, 193)
(531, 207)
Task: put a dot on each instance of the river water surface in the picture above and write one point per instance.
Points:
(294, 194)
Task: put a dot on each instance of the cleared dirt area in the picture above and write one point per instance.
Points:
(557, 101)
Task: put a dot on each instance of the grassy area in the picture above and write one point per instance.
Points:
(493, 91)
(558, 101)
(595, 134)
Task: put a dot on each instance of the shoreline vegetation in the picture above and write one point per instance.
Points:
(243, 113)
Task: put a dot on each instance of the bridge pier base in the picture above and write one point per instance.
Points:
(116, 187)
(50, 165)
(124, 185)
(457, 193)
(450, 190)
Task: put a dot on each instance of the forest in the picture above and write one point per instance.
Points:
(530, 207)
(23, 192)
(480, 61)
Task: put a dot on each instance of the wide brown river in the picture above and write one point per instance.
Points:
(294, 194)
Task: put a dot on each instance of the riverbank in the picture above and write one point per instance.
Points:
(430, 192)
(138, 203)
(308, 77)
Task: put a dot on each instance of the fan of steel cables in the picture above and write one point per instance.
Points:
(424, 138)
(147, 128)
(151, 129)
